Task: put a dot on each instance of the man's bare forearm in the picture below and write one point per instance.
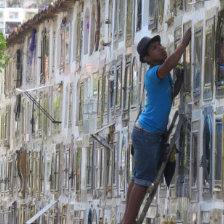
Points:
(172, 61)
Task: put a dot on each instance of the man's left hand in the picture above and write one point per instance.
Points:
(179, 72)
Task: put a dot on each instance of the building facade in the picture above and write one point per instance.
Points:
(69, 99)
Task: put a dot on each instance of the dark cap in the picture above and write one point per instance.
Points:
(143, 45)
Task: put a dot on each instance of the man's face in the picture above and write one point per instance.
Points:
(156, 53)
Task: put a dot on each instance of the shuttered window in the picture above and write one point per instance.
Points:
(198, 40)
(209, 59)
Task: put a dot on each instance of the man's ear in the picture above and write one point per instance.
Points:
(146, 58)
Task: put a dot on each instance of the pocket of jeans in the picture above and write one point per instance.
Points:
(153, 139)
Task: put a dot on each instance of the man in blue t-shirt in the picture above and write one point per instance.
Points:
(147, 135)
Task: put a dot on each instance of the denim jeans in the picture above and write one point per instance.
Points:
(147, 153)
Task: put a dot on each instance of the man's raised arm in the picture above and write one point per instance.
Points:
(174, 58)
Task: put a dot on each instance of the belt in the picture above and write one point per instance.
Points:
(139, 127)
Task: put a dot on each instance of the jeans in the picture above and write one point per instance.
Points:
(147, 153)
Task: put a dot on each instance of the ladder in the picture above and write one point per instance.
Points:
(153, 188)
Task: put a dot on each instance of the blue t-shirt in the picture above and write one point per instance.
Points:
(158, 102)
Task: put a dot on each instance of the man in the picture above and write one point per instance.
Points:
(148, 131)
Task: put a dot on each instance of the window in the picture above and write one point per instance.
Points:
(9, 176)
(114, 165)
(22, 214)
(206, 160)
(42, 171)
(118, 86)
(95, 84)
(98, 165)
(54, 178)
(126, 83)
(105, 93)
(218, 155)
(31, 59)
(111, 87)
(40, 116)
(81, 101)
(99, 102)
(78, 168)
(220, 54)
(152, 14)
(199, 4)
(7, 78)
(13, 15)
(86, 31)
(93, 29)
(70, 106)
(110, 16)
(95, 26)
(209, 59)
(6, 125)
(57, 107)
(29, 169)
(123, 167)
(44, 56)
(66, 113)
(89, 177)
(64, 214)
(139, 15)
(194, 159)
(21, 169)
(10, 26)
(72, 166)
(66, 167)
(18, 107)
(161, 4)
(67, 47)
(184, 161)
(29, 15)
(187, 67)
(109, 160)
(64, 46)
(2, 125)
(28, 60)
(177, 37)
(156, 13)
(79, 37)
(188, 6)
(129, 21)
(36, 174)
(134, 83)
(53, 51)
(19, 68)
(198, 38)
(119, 19)
(101, 166)
(45, 119)
(14, 3)
(33, 119)
(176, 6)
